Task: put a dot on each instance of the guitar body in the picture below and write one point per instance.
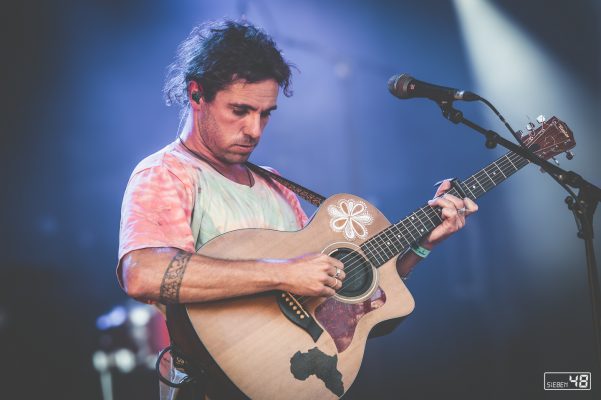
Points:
(258, 347)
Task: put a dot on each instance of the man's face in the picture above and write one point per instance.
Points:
(231, 125)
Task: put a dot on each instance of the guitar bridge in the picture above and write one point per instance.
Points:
(295, 312)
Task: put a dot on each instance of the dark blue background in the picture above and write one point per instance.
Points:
(499, 304)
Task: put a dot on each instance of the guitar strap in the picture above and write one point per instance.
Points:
(307, 194)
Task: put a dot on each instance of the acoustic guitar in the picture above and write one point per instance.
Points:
(280, 345)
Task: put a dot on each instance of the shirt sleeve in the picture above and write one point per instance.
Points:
(156, 212)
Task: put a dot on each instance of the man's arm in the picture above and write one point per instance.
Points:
(452, 221)
(170, 275)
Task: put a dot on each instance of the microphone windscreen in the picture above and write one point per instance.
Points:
(397, 85)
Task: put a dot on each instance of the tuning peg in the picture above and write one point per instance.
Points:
(555, 160)
(542, 171)
(529, 126)
(520, 133)
(569, 155)
(541, 119)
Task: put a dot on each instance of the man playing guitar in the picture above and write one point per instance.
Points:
(226, 77)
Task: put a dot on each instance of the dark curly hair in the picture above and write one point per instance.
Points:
(215, 54)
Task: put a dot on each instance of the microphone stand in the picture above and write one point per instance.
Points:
(583, 205)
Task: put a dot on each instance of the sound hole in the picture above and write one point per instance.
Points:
(359, 274)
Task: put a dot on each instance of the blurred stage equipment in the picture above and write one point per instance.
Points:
(131, 337)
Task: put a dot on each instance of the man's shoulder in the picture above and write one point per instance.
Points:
(164, 161)
(164, 158)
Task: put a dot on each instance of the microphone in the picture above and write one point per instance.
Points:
(404, 86)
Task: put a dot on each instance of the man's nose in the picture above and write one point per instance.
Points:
(254, 128)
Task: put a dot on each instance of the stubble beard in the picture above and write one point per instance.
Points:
(208, 129)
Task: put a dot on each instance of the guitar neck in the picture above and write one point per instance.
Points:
(398, 237)
(490, 176)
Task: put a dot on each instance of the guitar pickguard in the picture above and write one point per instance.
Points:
(340, 319)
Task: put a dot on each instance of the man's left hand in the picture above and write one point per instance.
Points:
(453, 213)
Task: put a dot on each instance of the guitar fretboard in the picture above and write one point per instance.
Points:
(400, 236)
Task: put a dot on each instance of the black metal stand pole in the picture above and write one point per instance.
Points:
(583, 209)
(583, 206)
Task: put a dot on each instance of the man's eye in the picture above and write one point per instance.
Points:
(240, 111)
(266, 114)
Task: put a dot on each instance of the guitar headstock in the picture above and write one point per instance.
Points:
(550, 138)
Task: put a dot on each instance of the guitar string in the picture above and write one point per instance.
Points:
(487, 187)
(408, 230)
(502, 163)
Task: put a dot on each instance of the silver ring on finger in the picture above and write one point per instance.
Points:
(461, 211)
(337, 274)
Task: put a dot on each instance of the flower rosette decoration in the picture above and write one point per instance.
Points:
(351, 217)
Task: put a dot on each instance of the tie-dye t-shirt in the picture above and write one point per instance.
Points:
(174, 199)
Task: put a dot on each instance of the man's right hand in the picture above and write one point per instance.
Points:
(312, 275)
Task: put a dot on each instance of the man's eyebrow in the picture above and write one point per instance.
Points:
(249, 107)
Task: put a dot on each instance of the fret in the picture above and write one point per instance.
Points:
(399, 235)
(478, 182)
(493, 172)
(507, 168)
(491, 180)
(432, 224)
(461, 191)
(507, 155)
(500, 170)
(387, 244)
(378, 248)
(453, 190)
(521, 161)
(373, 255)
(391, 240)
(411, 218)
(405, 232)
(407, 228)
(473, 187)
(367, 250)
(424, 229)
(382, 248)
(470, 190)
(395, 239)
(505, 165)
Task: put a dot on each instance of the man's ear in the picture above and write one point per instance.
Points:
(194, 92)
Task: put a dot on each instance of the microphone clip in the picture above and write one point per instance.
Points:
(449, 112)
